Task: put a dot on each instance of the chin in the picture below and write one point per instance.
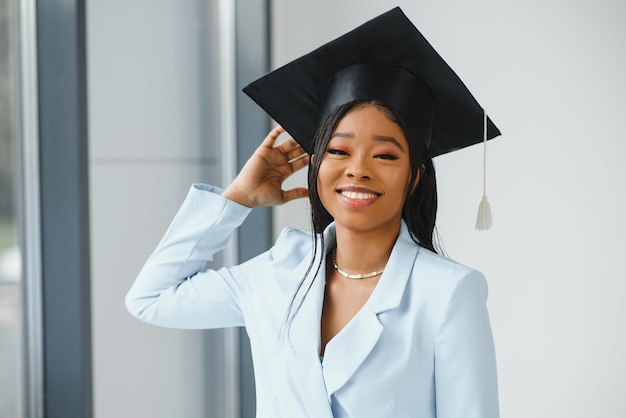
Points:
(366, 223)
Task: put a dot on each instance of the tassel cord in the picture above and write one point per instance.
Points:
(484, 220)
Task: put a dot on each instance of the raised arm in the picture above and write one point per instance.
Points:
(172, 288)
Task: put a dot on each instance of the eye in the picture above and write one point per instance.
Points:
(335, 151)
(386, 156)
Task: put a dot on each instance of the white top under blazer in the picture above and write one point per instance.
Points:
(421, 346)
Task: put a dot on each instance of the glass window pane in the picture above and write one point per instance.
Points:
(10, 260)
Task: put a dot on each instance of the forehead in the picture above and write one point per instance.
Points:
(369, 122)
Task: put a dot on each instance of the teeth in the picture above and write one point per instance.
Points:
(357, 195)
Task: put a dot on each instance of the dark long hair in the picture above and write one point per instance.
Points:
(420, 206)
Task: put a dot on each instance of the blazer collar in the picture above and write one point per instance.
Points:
(390, 288)
(346, 352)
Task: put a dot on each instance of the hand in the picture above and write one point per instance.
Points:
(260, 181)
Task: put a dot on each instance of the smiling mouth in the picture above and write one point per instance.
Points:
(358, 195)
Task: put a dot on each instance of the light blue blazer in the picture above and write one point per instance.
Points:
(421, 346)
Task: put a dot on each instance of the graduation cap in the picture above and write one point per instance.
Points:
(385, 59)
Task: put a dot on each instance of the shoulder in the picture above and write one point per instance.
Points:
(291, 247)
(445, 274)
(435, 271)
(444, 264)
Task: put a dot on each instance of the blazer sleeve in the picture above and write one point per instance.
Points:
(465, 363)
(172, 289)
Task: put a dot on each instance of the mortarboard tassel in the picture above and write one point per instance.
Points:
(483, 220)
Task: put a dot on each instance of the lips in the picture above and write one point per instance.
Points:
(358, 197)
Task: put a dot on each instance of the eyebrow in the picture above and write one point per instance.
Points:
(376, 138)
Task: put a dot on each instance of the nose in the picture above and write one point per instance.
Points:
(358, 168)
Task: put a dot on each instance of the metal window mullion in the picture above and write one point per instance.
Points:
(63, 176)
(30, 213)
(228, 147)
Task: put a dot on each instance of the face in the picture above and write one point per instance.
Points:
(363, 177)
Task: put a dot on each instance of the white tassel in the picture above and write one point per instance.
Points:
(483, 220)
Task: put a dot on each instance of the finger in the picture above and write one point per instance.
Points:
(291, 149)
(299, 163)
(295, 193)
(296, 154)
(288, 145)
(272, 137)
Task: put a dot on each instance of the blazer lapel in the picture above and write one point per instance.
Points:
(349, 348)
(302, 345)
(345, 353)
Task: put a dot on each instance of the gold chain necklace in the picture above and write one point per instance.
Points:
(357, 276)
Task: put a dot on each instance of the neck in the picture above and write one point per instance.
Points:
(364, 251)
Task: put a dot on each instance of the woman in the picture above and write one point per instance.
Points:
(361, 318)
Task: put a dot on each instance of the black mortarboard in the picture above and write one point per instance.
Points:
(385, 59)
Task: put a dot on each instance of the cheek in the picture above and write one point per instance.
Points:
(403, 188)
(327, 178)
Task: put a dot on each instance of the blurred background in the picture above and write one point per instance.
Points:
(110, 109)
(10, 260)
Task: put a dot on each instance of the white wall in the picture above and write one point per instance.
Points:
(152, 133)
(551, 75)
